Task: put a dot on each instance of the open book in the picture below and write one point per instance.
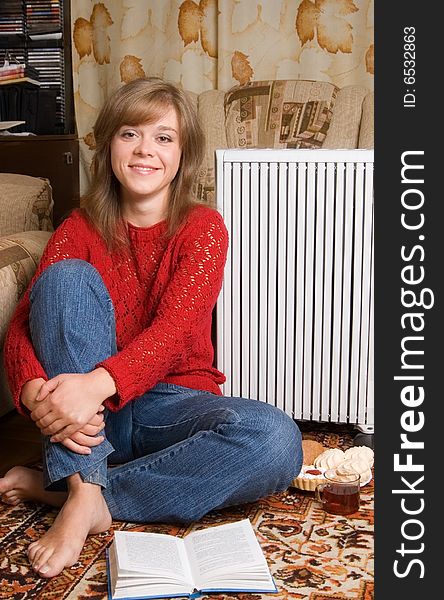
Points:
(225, 558)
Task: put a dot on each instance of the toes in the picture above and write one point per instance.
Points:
(12, 500)
(52, 566)
(38, 556)
(5, 483)
(11, 497)
(46, 561)
(33, 549)
(4, 486)
(39, 563)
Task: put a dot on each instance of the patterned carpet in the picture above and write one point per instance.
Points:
(312, 555)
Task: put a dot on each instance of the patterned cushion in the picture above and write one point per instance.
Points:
(279, 114)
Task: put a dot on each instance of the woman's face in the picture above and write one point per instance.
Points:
(145, 159)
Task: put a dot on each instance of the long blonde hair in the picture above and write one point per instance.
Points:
(141, 101)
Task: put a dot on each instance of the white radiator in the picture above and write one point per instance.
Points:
(295, 315)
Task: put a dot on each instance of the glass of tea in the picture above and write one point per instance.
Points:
(340, 493)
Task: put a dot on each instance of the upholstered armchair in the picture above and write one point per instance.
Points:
(282, 114)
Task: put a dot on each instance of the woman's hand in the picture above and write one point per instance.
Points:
(29, 393)
(82, 441)
(66, 403)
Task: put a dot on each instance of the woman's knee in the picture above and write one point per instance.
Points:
(65, 284)
(276, 437)
(73, 295)
(284, 441)
(63, 275)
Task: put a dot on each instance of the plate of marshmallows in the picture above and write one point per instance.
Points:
(318, 459)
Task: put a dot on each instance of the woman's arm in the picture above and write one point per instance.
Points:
(21, 362)
(67, 403)
(25, 373)
(80, 442)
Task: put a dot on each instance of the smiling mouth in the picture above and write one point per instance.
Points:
(143, 169)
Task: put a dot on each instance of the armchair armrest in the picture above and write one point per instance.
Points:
(25, 204)
(19, 257)
(367, 129)
(346, 118)
(211, 115)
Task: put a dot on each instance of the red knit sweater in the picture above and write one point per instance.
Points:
(163, 292)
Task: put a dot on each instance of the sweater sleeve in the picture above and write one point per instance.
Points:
(20, 360)
(185, 306)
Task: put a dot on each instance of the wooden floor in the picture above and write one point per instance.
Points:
(19, 441)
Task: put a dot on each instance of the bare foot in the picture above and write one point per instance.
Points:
(84, 512)
(21, 483)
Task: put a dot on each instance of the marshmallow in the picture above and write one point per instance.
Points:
(329, 459)
(355, 465)
(362, 453)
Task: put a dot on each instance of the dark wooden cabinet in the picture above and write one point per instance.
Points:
(53, 156)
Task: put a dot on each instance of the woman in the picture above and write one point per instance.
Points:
(117, 322)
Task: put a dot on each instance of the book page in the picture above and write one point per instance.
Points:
(151, 553)
(230, 548)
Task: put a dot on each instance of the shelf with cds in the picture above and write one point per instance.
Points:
(35, 34)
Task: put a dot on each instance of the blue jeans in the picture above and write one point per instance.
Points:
(178, 453)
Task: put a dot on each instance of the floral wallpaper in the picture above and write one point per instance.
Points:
(214, 44)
